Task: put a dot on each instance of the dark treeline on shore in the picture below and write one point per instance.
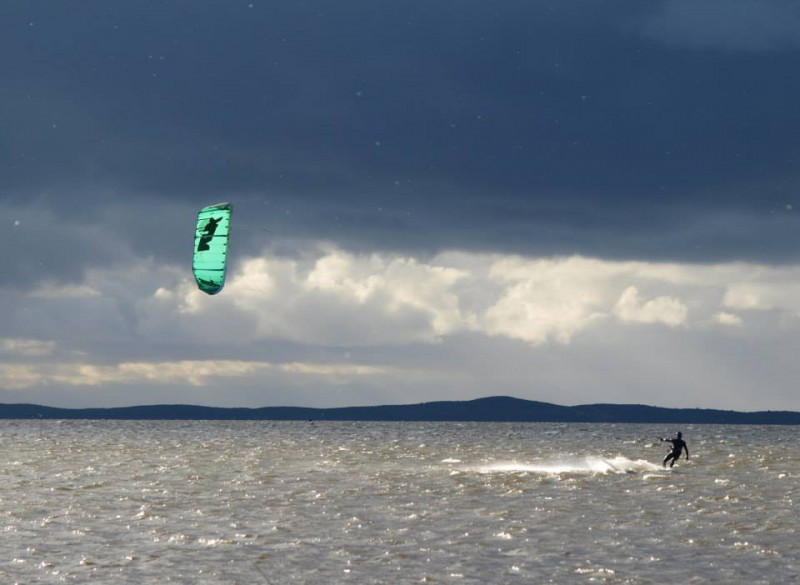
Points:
(491, 409)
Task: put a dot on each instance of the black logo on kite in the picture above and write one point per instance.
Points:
(208, 234)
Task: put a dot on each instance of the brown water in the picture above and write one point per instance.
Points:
(300, 502)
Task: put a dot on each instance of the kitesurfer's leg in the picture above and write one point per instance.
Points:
(675, 455)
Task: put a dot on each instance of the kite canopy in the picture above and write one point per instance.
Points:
(211, 247)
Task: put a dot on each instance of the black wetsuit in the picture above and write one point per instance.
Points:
(678, 445)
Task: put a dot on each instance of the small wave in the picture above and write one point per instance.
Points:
(586, 465)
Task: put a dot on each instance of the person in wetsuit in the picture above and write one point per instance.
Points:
(678, 445)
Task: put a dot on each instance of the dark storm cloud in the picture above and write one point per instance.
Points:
(735, 25)
(535, 127)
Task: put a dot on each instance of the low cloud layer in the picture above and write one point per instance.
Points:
(333, 297)
(353, 322)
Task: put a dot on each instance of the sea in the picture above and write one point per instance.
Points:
(262, 502)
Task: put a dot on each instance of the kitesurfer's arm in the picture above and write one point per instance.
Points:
(686, 448)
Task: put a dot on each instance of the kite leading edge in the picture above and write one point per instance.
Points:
(211, 247)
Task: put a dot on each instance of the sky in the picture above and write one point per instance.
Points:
(574, 202)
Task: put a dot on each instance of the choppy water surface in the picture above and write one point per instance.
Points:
(301, 502)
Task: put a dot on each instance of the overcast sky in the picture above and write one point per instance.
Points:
(573, 202)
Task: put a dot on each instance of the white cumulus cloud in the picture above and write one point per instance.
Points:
(336, 299)
(666, 310)
(729, 319)
(546, 299)
(26, 347)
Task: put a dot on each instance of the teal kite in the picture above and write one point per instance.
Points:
(211, 247)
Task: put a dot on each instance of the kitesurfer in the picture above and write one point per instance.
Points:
(678, 446)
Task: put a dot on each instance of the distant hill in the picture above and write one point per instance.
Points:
(491, 409)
